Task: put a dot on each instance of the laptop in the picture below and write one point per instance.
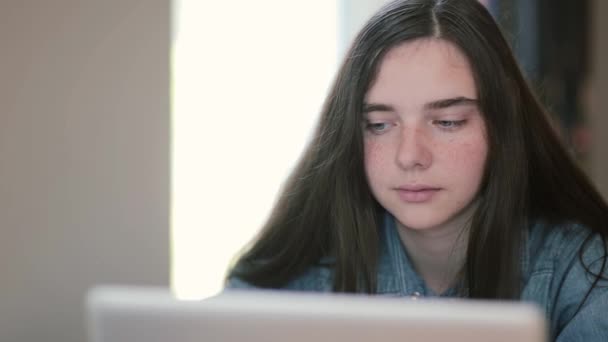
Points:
(128, 314)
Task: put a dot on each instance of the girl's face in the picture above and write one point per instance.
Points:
(425, 142)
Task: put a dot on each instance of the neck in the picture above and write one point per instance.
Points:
(437, 254)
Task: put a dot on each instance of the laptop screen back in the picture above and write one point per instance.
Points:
(153, 315)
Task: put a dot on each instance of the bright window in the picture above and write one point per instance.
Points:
(248, 80)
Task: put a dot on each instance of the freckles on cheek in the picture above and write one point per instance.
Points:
(373, 157)
(470, 156)
(372, 151)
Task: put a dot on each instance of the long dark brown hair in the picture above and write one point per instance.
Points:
(326, 208)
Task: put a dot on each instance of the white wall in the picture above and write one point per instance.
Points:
(84, 124)
(353, 15)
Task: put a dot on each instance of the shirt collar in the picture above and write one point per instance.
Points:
(396, 274)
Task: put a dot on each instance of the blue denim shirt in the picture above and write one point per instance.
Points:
(553, 278)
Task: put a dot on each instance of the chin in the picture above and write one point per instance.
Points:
(417, 224)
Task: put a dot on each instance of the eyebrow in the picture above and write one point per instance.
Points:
(438, 104)
(456, 101)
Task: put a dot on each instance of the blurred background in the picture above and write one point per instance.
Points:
(554, 43)
(142, 142)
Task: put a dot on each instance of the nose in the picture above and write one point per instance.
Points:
(414, 150)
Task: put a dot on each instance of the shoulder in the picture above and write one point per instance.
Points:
(559, 246)
(315, 278)
(564, 263)
(569, 253)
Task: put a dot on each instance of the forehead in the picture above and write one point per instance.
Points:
(422, 70)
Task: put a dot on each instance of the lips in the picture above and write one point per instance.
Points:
(416, 193)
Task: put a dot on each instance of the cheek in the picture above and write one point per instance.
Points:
(467, 160)
(375, 159)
